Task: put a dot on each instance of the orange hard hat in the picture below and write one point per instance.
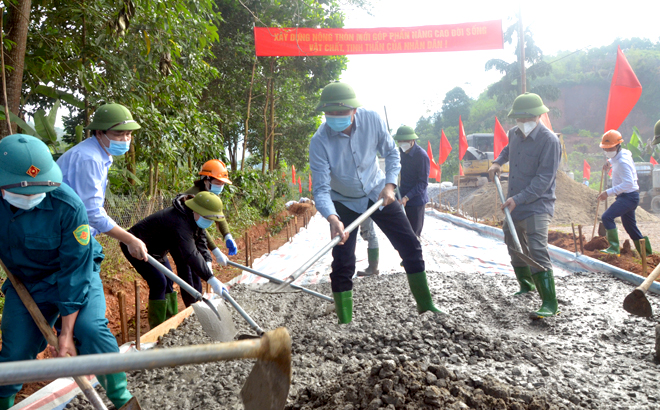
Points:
(215, 169)
(611, 138)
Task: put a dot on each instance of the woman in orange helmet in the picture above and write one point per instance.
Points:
(626, 190)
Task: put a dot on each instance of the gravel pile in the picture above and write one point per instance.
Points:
(484, 353)
(450, 195)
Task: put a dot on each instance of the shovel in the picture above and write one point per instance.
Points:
(636, 302)
(47, 331)
(330, 245)
(266, 388)
(512, 229)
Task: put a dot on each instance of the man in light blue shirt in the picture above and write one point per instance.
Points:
(85, 169)
(347, 180)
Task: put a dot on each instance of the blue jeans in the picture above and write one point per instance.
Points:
(624, 206)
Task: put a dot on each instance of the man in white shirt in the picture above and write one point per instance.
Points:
(626, 190)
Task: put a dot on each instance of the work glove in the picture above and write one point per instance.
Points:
(494, 169)
(219, 257)
(210, 265)
(231, 245)
(217, 286)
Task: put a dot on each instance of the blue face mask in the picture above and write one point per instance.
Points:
(216, 189)
(118, 148)
(338, 122)
(203, 222)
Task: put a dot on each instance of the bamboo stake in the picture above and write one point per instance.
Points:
(268, 240)
(2, 61)
(574, 238)
(122, 317)
(458, 193)
(581, 244)
(602, 174)
(251, 257)
(642, 251)
(138, 310)
(247, 252)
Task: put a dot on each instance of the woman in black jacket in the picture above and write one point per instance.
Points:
(179, 230)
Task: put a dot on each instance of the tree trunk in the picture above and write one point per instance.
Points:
(17, 29)
(84, 89)
(271, 157)
(247, 116)
(151, 179)
(156, 168)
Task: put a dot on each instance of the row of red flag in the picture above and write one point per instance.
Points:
(293, 179)
(586, 168)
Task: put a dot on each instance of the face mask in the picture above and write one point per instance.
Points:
(203, 222)
(118, 148)
(216, 189)
(26, 202)
(338, 122)
(611, 154)
(405, 146)
(527, 127)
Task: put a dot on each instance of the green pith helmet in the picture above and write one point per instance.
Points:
(656, 133)
(405, 133)
(208, 205)
(27, 166)
(527, 105)
(337, 97)
(114, 117)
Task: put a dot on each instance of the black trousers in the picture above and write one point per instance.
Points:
(159, 284)
(415, 216)
(193, 280)
(394, 224)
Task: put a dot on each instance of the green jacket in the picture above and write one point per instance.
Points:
(222, 226)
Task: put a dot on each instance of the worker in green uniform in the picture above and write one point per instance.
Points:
(214, 177)
(45, 241)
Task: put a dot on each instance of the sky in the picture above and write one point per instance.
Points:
(414, 85)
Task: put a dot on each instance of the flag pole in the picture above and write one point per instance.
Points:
(458, 194)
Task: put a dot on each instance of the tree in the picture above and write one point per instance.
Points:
(455, 104)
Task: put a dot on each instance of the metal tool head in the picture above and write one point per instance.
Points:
(267, 386)
(637, 304)
(531, 262)
(215, 319)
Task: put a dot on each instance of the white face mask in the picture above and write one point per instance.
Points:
(26, 202)
(527, 127)
(611, 154)
(405, 146)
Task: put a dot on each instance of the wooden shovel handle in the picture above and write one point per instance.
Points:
(650, 279)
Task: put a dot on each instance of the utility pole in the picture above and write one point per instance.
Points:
(521, 38)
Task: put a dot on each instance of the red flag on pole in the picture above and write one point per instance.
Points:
(625, 90)
(445, 149)
(293, 174)
(434, 167)
(310, 182)
(500, 141)
(299, 185)
(609, 173)
(586, 170)
(460, 169)
(653, 161)
(546, 121)
(462, 140)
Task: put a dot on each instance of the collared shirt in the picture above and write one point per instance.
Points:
(624, 174)
(532, 170)
(415, 168)
(85, 169)
(345, 167)
(51, 243)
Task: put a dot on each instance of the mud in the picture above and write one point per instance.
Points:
(483, 353)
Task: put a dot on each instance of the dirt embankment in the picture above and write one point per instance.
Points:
(575, 203)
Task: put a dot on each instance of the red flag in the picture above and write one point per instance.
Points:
(653, 161)
(462, 140)
(609, 173)
(501, 140)
(299, 185)
(460, 169)
(546, 121)
(586, 170)
(625, 90)
(445, 149)
(434, 167)
(310, 182)
(293, 174)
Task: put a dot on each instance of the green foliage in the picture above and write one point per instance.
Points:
(259, 191)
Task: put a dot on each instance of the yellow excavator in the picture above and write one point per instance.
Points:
(477, 159)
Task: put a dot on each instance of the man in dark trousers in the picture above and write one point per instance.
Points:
(533, 154)
(415, 169)
(347, 181)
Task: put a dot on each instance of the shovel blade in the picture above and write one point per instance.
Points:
(219, 329)
(267, 386)
(531, 262)
(637, 304)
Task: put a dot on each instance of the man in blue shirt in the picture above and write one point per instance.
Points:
(85, 169)
(415, 169)
(347, 180)
(45, 242)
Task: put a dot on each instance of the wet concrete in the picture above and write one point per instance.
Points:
(484, 353)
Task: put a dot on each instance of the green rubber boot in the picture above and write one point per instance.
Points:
(545, 283)
(420, 290)
(7, 402)
(344, 306)
(115, 388)
(156, 312)
(372, 269)
(649, 250)
(613, 239)
(172, 304)
(524, 276)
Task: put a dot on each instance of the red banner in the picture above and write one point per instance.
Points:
(271, 41)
